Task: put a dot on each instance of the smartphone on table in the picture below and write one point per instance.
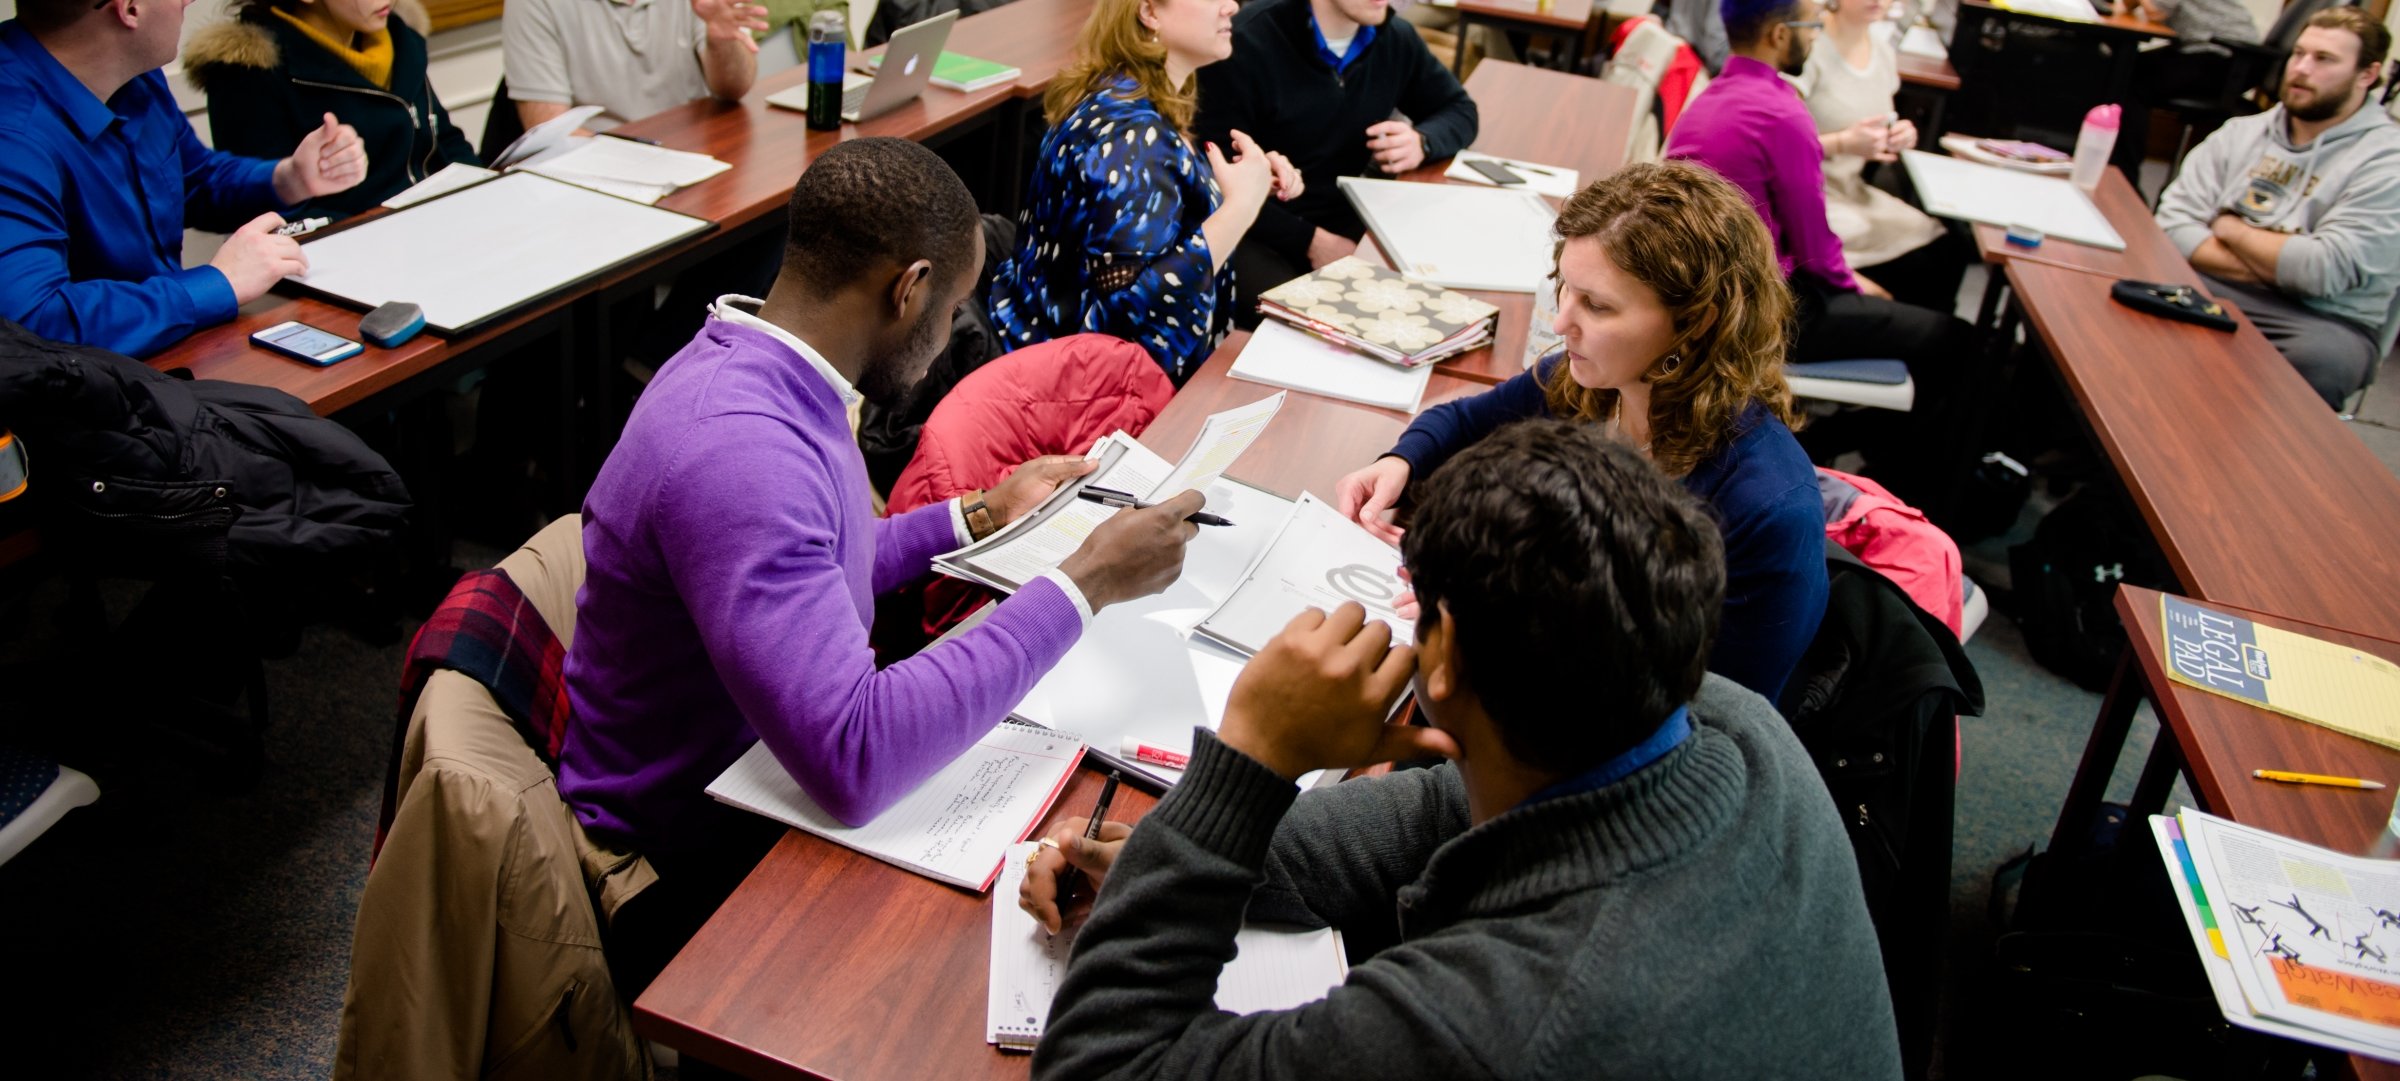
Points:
(306, 344)
(1495, 172)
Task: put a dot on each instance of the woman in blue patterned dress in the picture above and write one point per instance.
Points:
(1128, 228)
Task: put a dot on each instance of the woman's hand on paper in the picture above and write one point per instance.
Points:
(1369, 495)
(1040, 895)
(1033, 482)
(1317, 695)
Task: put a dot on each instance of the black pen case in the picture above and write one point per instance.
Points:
(2182, 302)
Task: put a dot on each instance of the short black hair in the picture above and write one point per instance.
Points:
(870, 200)
(43, 16)
(1747, 21)
(1584, 587)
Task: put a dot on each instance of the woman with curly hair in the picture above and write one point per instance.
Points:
(1127, 226)
(1672, 312)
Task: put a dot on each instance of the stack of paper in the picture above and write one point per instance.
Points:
(453, 176)
(1281, 356)
(1379, 313)
(1271, 969)
(953, 828)
(627, 169)
(2298, 941)
(1319, 559)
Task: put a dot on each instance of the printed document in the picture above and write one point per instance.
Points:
(1319, 559)
(1272, 969)
(1972, 191)
(953, 828)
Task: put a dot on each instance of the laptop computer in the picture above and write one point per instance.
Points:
(907, 66)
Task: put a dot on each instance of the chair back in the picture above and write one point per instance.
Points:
(501, 124)
(1640, 64)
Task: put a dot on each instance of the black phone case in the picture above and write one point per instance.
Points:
(2191, 307)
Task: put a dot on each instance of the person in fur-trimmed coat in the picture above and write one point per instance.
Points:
(273, 71)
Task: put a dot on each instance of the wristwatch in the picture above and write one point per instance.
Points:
(981, 522)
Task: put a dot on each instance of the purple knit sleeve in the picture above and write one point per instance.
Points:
(906, 543)
(780, 617)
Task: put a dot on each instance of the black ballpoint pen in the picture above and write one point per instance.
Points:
(1110, 497)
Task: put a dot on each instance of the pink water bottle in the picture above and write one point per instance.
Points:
(2094, 145)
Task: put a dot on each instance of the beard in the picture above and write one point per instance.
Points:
(2318, 106)
(888, 380)
(1795, 58)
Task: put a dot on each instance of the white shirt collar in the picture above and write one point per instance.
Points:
(738, 310)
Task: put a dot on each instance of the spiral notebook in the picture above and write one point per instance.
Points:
(1272, 968)
(954, 828)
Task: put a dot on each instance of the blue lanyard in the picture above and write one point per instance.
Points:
(1670, 735)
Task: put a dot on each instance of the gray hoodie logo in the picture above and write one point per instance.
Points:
(2269, 187)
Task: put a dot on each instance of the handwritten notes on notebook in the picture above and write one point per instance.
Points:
(1271, 969)
(953, 828)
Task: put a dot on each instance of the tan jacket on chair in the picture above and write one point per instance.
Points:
(478, 950)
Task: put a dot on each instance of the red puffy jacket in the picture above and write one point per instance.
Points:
(1054, 398)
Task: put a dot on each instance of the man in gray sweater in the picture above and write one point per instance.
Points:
(2294, 214)
(1630, 869)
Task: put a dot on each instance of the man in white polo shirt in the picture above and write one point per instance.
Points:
(630, 57)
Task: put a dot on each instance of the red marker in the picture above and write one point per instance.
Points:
(1157, 756)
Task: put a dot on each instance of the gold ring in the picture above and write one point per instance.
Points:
(1032, 858)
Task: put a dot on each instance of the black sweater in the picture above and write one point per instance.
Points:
(1279, 91)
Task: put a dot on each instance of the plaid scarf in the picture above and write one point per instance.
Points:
(487, 630)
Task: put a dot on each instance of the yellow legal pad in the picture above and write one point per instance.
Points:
(2309, 678)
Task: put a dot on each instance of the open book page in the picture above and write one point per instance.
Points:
(1045, 537)
(2313, 935)
(1137, 671)
(1222, 439)
(2223, 983)
(1318, 560)
(1272, 968)
(953, 828)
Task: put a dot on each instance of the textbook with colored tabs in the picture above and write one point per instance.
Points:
(954, 828)
(2333, 686)
(2298, 941)
(965, 73)
(1377, 312)
(1271, 969)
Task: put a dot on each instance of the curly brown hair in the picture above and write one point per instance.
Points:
(1114, 44)
(1692, 238)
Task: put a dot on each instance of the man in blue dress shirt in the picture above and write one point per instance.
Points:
(102, 169)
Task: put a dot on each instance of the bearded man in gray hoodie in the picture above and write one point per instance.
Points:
(2294, 214)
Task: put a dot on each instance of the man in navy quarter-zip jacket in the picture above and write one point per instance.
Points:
(102, 172)
(1342, 89)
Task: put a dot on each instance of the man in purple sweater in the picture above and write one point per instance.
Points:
(1752, 128)
(734, 556)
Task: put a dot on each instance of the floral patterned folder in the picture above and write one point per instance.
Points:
(1377, 312)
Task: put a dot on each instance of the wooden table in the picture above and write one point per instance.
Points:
(2216, 741)
(829, 964)
(2257, 494)
(1531, 114)
(1565, 18)
(1932, 73)
(2148, 254)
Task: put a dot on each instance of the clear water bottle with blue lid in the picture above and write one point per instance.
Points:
(828, 44)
